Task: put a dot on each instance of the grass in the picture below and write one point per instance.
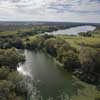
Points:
(89, 92)
(77, 41)
(4, 33)
(15, 31)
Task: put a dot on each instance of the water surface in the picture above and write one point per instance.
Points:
(50, 80)
(74, 30)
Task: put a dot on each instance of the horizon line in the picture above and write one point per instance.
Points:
(48, 21)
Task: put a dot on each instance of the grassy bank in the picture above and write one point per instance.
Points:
(78, 41)
(85, 91)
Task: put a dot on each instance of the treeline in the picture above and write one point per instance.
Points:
(15, 39)
(10, 58)
(31, 30)
(11, 41)
(86, 34)
(9, 26)
(90, 33)
(11, 82)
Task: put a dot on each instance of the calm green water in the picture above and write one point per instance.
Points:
(47, 79)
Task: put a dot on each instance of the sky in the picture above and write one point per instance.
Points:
(50, 10)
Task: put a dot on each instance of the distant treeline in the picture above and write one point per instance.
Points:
(9, 26)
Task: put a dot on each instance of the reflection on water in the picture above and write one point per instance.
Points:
(44, 78)
(74, 30)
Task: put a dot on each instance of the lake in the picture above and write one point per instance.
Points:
(74, 30)
(50, 81)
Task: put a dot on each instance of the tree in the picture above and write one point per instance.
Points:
(10, 57)
(71, 61)
(87, 58)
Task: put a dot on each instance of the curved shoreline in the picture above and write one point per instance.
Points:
(73, 30)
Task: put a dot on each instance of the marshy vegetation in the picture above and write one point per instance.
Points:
(78, 54)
